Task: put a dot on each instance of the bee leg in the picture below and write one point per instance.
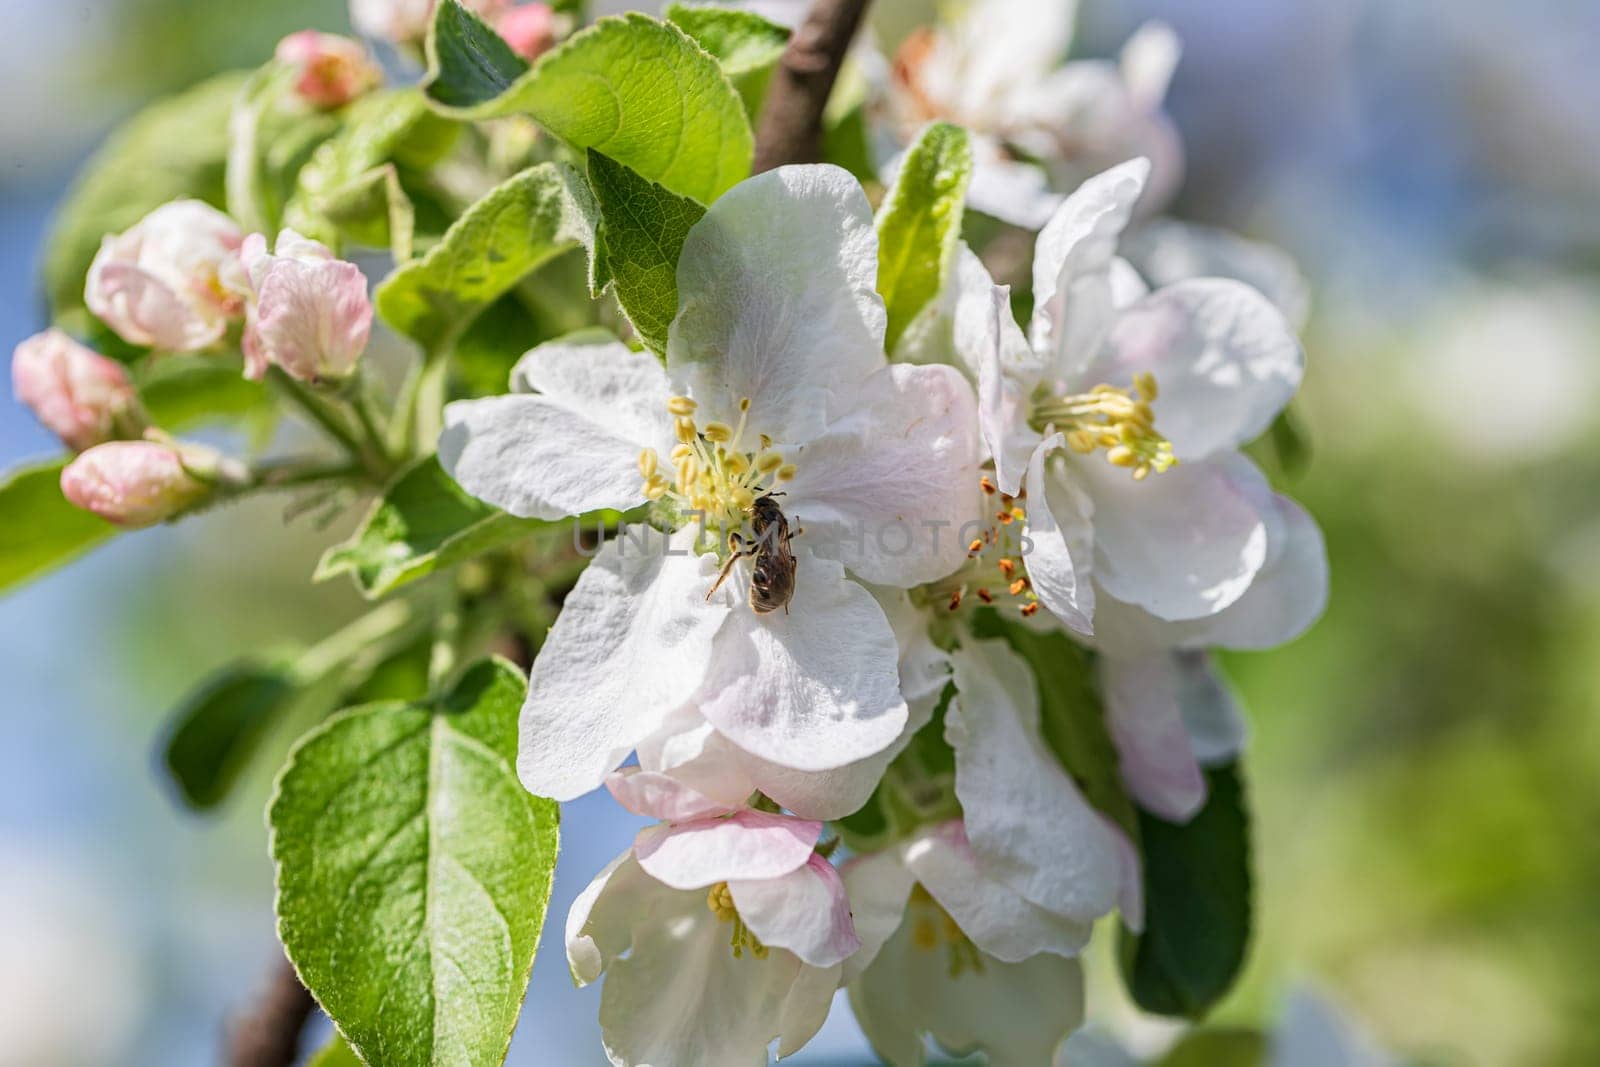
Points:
(737, 544)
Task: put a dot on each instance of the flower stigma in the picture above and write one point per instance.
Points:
(713, 473)
(1116, 419)
(720, 900)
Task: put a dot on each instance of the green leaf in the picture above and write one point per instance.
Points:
(375, 211)
(42, 529)
(746, 45)
(644, 226)
(919, 224)
(1230, 1047)
(1197, 894)
(396, 126)
(336, 1053)
(174, 149)
(638, 90)
(424, 522)
(271, 137)
(491, 346)
(183, 391)
(1071, 714)
(413, 871)
(221, 726)
(521, 224)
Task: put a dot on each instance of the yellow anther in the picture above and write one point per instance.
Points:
(684, 429)
(744, 405)
(719, 432)
(1145, 383)
(719, 898)
(736, 464)
(682, 405)
(768, 462)
(648, 461)
(1030, 609)
(787, 471)
(743, 498)
(976, 546)
(1141, 472)
(1016, 587)
(1081, 441)
(679, 451)
(1122, 456)
(655, 489)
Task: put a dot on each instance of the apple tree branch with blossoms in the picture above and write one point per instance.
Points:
(725, 476)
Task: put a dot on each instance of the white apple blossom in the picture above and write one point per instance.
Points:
(161, 283)
(775, 382)
(950, 951)
(717, 933)
(1037, 123)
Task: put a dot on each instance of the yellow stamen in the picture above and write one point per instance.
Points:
(787, 472)
(682, 406)
(720, 432)
(1119, 420)
(648, 461)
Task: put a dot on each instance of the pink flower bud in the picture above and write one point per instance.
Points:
(330, 71)
(406, 21)
(79, 395)
(138, 483)
(530, 30)
(309, 312)
(160, 283)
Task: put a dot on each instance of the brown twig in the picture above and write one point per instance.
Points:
(269, 1034)
(791, 120)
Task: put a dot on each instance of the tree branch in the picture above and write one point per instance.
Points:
(791, 121)
(269, 1034)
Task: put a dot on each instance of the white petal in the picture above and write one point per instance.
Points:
(1009, 43)
(1183, 544)
(693, 753)
(745, 845)
(1130, 899)
(806, 1007)
(1167, 251)
(600, 922)
(893, 1011)
(998, 919)
(682, 997)
(1026, 819)
(1072, 263)
(805, 911)
(1148, 61)
(879, 885)
(1145, 720)
(924, 666)
(1059, 537)
(571, 447)
(887, 489)
(632, 643)
(1217, 726)
(777, 301)
(813, 689)
(658, 795)
(1009, 190)
(1225, 359)
(992, 346)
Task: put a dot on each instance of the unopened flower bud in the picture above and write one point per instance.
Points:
(406, 21)
(309, 313)
(79, 395)
(330, 71)
(140, 483)
(530, 29)
(160, 283)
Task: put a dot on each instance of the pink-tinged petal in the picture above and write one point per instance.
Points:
(887, 489)
(813, 688)
(133, 483)
(743, 846)
(1225, 359)
(530, 29)
(330, 71)
(600, 922)
(1130, 898)
(1058, 536)
(657, 795)
(805, 911)
(311, 315)
(1183, 544)
(690, 751)
(1145, 720)
(78, 394)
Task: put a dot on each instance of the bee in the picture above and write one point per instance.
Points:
(773, 573)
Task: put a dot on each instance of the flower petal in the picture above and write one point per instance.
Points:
(1225, 359)
(689, 749)
(805, 911)
(632, 643)
(682, 996)
(997, 918)
(879, 885)
(991, 344)
(886, 489)
(1167, 251)
(1183, 544)
(1072, 265)
(658, 795)
(569, 448)
(777, 302)
(600, 922)
(813, 689)
(1059, 535)
(806, 1007)
(1145, 720)
(1012, 191)
(1025, 817)
(743, 846)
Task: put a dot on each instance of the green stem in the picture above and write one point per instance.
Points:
(343, 645)
(320, 412)
(371, 425)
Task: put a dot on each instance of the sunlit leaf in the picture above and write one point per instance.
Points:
(919, 224)
(42, 530)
